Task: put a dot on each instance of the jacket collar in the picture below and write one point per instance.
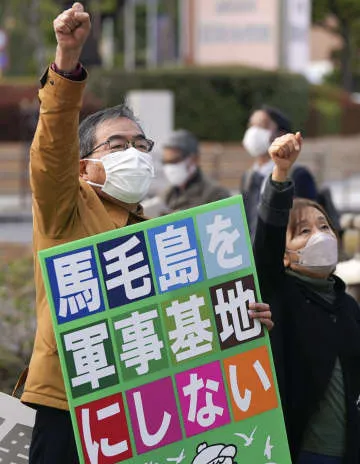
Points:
(339, 288)
(120, 216)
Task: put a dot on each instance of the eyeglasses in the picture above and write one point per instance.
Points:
(119, 143)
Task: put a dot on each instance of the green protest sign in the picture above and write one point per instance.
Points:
(160, 359)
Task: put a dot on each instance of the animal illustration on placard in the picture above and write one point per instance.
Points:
(215, 454)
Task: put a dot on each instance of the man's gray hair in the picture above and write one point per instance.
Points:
(87, 128)
(183, 140)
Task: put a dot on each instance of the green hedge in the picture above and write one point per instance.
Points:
(213, 103)
(332, 111)
(329, 116)
(326, 109)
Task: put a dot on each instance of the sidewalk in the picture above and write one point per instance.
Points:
(15, 208)
(15, 219)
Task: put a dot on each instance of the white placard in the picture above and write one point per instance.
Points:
(16, 423)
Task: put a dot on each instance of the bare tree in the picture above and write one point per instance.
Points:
(346, 14)
(36, 36)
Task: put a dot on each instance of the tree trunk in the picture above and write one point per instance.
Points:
(36, 35)
(170, 53)
(346, 58)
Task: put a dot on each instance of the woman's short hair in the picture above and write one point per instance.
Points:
(299, 204)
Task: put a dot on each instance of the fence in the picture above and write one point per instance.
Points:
(331, 159)
(14, 173)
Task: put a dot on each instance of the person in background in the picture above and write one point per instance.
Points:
(189, 186)
(316, 336)
(265, 124)
(83, 183)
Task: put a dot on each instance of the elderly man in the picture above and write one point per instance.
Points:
(189, 186)
(73, 199)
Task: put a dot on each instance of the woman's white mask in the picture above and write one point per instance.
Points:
(320, 254)
(128, 174)
(257, 141)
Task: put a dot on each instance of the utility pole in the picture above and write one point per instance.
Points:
(36, 36)
(152, 33)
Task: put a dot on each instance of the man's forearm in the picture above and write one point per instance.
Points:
(67, 61)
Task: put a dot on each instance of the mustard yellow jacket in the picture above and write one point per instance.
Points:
(65, 208)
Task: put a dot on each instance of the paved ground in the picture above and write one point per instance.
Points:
(16, 233)
(15, 219)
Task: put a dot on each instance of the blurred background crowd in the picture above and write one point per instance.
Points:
(202, 66)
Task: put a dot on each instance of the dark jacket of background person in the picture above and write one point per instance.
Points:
(65, 208)
(199, 190)
(251, 189)
(309, 334)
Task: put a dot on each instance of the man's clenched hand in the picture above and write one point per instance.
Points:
(72, 28)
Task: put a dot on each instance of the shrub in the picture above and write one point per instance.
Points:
(212, 102)
(17, 321)
(332, 111)
(19, 109)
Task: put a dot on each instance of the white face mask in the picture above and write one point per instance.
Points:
(257, 141)
(178, 173)
(128, 174)
(320, 254)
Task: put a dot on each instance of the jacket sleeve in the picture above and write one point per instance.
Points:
(270, 236)
(54, 154)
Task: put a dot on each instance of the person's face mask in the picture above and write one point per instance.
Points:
(128, 174)
(320, 254)
(178, 173)
(257, 141)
